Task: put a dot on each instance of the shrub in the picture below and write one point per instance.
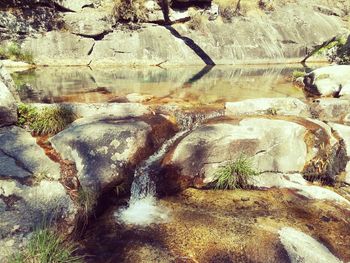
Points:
(14, 52)
(46, 246)
(130, 10)
(197, 21)
(235, 174)
(46, 120)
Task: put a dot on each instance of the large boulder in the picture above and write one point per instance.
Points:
(106, 150)
(8, 108)
(278, 146)
(330, 81)
(59, 48)
(89, 22)
(30, 194)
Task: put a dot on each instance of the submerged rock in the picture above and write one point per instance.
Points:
(302, 248)
(331, 81)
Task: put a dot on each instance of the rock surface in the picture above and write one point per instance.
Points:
(331, 81)
(30, 194)
(106, 149)
(331, 109)
(59, 48)
(8, 107)
(303, 248)
(268, 106)
(23, 157)
(6, 78)
(284, 146)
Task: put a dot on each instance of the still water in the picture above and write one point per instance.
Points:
(205, 85)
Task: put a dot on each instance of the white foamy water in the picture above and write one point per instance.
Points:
(143, 212)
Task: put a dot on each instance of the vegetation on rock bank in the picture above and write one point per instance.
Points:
(45, 120)
(13, 51)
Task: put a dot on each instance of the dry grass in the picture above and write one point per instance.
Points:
(130, 10)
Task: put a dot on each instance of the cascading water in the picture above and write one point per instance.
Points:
(142, 208)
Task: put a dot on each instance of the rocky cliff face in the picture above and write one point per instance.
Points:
(87, 32)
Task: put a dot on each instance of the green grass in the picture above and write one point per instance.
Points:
(297, 74)
(235, 174)
(46, 246)
(86, 200)
(13, 51)
(46, 120)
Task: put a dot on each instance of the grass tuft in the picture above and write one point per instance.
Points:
(235, 174)
(46, 246)
(46, 120)
(13, 51)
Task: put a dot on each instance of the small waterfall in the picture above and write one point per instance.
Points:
(142, 208)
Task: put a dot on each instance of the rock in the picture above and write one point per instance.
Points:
(344, 132)
(304, 146)
(331, 81)
(274, 145)
(22, 157)
(267, 106)
(28, 208)
(303, 248)
(89, 22)
(150, 45)
(59, 48)
(8, 107)
(19, 23)
(298, 183)
(6, 78)
(76, 5)
(136, 97)
(331, 109)
(30, 194)
(98, 110)
(106, 150)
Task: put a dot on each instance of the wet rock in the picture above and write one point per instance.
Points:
(298, 183)
(303, 248)
(268, 106)
(331, 109)
(89, 22)
(105, 150)
(8, 108)
(59, 48)
(22, 158)
(331, 81)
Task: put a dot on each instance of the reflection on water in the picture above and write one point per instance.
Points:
(205, 85)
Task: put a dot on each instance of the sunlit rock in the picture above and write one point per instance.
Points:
(304, 248)
(268, 106)
(8, 108)
(331, 109)
(330, 81)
